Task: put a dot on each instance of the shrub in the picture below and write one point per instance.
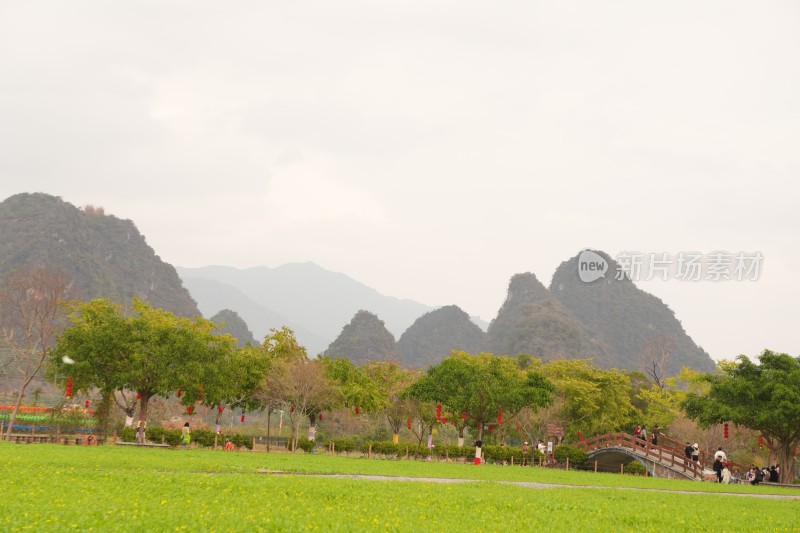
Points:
(127, 434)
(200, 437)
(495, 454)
(454, 452)
(344, 445)
(306, 445)
(575, 455)
(242, 441)
(635, 468)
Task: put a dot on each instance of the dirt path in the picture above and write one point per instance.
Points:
(526, 484)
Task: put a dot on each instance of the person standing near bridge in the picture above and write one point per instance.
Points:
(688, 452)
(720, 455)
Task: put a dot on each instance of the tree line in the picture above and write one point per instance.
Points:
(133, 355)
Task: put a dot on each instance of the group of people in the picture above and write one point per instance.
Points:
(756, 475)
(721, 468)
(186, 438)
(692, 453)
(641, 433)
(526, 449)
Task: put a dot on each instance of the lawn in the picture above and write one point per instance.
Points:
(58, 488)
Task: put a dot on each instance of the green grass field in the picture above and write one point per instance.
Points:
(106, 488)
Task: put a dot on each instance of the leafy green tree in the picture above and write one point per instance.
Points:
(482, 386)
(392, 381)
(764, 397)
(355, 388)
(304, 388)
(152, 352)
(662, 403)
(423, 416)
(281, 344)
(232, 382)
(594, 400)
(281, 348)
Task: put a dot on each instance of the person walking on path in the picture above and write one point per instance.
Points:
(186, 435)
(696, 454)
(654, 437)
(525, 451)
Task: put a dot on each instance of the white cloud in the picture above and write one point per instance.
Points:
(429, 149)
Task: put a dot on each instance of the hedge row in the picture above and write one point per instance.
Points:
(491, 454)
(200, 437)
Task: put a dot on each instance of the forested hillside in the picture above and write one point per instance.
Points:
(532, 322)
(638, 328)
(434, 335)
(105, 256)
(364, 339)
(232, 324)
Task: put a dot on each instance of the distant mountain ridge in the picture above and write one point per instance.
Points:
(313, 301)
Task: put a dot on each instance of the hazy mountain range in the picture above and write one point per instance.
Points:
(609, 320)
(314, 302)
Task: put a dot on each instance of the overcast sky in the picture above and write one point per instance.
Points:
(427, 149)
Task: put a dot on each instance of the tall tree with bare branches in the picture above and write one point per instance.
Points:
(30, 313)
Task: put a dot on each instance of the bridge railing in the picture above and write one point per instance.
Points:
(706, 457)
(666, 454)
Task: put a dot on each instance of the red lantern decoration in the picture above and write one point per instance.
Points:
(68, 387)
(761, 441)
(138, 395)
(242, 418)
(86, 404)
(292, 409)
(408, 423)
(220, 408)
(725, 429)
(500, 417)
(320, 417)
(491, 428)
(517, 427)
(358, 410)
(189, 409)
(579, 434)
(438, 412)
(179, 393)
(463, 415)
(444, 420)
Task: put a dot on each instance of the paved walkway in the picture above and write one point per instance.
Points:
(526, 484)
